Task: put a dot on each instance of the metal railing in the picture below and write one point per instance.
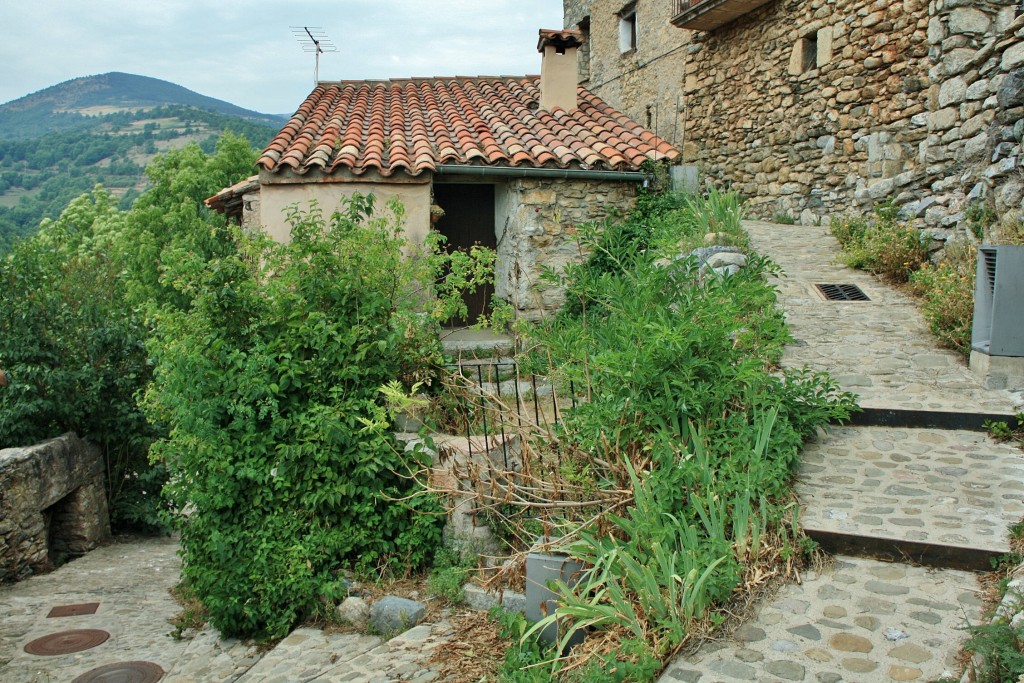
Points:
(493, 402)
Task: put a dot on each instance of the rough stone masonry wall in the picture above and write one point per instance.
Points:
(804, 144)
(976, 118)
(915, 101)
(644, 83)
(540, 232)
(52, 503)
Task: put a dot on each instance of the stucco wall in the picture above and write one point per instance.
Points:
(279, 193)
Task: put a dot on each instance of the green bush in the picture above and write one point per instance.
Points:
(76, 354)
(682, 392)
(947, 293)
(279, 445)
(882, 244)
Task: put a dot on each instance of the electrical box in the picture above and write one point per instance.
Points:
(998, 328)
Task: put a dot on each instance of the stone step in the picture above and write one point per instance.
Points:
(466, 344)
(885, 416)
(939, 497)
(857, 621)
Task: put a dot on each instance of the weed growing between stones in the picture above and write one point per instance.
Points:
(946, 291)
(670, 477)
(881, 244)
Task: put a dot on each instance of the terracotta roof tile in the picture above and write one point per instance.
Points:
(414, 125)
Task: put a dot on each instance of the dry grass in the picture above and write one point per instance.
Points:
(474, 652)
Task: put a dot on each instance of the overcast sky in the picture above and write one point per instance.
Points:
(244, 52)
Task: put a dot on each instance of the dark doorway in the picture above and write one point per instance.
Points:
(468, 220)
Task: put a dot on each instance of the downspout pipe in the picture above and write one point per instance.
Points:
(515, 172)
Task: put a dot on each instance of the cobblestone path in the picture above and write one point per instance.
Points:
(943, 496)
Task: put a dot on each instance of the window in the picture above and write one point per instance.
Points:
(809, 53)
(627, 28)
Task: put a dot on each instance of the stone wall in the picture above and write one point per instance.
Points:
(644, 82)
(538, 231)
(53, 505)
(816, 108)
(976, 118)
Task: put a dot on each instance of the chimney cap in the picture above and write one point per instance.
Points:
(563, 38)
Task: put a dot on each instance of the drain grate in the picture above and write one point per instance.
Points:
(844, 292)
(123, 672)
(73, 610)
(66, 642)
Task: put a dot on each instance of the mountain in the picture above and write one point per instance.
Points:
(59, 142)
(73, 104)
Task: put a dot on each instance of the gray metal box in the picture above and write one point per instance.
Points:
(541, 569)
(998, 328)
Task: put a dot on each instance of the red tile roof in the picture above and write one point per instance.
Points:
(414, 125)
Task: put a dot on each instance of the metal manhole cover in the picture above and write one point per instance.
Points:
(844, 292)
(123, 672)
(66, 642)
(73, 610)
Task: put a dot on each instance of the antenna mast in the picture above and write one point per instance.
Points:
(313, 39)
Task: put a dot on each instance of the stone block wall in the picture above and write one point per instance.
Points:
(53, 505)
(823, 107)
(802, 133)
(539, 231)
(976, 115)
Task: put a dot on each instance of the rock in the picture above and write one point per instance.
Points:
(353, 611)
(726, 258)
(952, 91)
(968, 20)
(391, 615)
(1011, 91)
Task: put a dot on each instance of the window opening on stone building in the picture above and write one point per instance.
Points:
(809, 55)
(627, 28)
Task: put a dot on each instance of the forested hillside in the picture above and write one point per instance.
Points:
(63, 141)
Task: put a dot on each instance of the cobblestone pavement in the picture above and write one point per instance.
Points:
(955, 488)
(130, 580)
(859, 621)
(879, 349)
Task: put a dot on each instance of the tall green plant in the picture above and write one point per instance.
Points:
(278, 446)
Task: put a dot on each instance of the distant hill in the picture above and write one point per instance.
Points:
(72, 104)
(60, 142)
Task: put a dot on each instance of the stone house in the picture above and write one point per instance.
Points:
(512, 163)
(816, 108)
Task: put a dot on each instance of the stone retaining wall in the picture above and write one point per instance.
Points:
(53, 505)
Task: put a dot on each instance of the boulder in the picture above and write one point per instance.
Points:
(353, 611)
(391, 615)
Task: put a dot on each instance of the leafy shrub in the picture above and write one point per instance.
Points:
(448, 575)
(279, 444)
(76, 356)
(683, 394)
(882, 244)
(947, 293)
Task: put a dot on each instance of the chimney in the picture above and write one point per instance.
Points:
(558, 75)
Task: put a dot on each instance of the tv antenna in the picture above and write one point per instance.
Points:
(313, 39)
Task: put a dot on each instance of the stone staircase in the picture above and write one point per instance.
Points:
(907, 496)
